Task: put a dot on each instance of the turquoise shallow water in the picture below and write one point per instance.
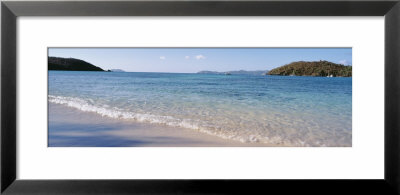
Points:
(287, 111)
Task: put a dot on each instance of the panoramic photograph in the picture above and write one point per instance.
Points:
(199, 97)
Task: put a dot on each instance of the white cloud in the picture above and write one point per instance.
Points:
(200, 57)
(344, 62)
(187, 57)
(162, 58)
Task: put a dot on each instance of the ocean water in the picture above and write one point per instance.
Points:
(280, 110)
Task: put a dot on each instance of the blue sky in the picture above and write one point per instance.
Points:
(189, 60)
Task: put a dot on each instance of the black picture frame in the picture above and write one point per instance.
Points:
(10, 10)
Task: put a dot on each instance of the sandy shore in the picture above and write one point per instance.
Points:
(72, 127)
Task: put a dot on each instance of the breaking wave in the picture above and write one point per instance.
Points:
(88, 105)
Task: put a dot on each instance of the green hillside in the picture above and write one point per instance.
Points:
(70, 64)
(316, 68)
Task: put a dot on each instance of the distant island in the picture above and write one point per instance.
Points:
(235, 72)
(71, 64)
(116, 70)
(315, 68)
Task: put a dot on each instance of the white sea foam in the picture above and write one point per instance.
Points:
(88, 105)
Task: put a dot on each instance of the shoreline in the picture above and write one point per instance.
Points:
(70, 127)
